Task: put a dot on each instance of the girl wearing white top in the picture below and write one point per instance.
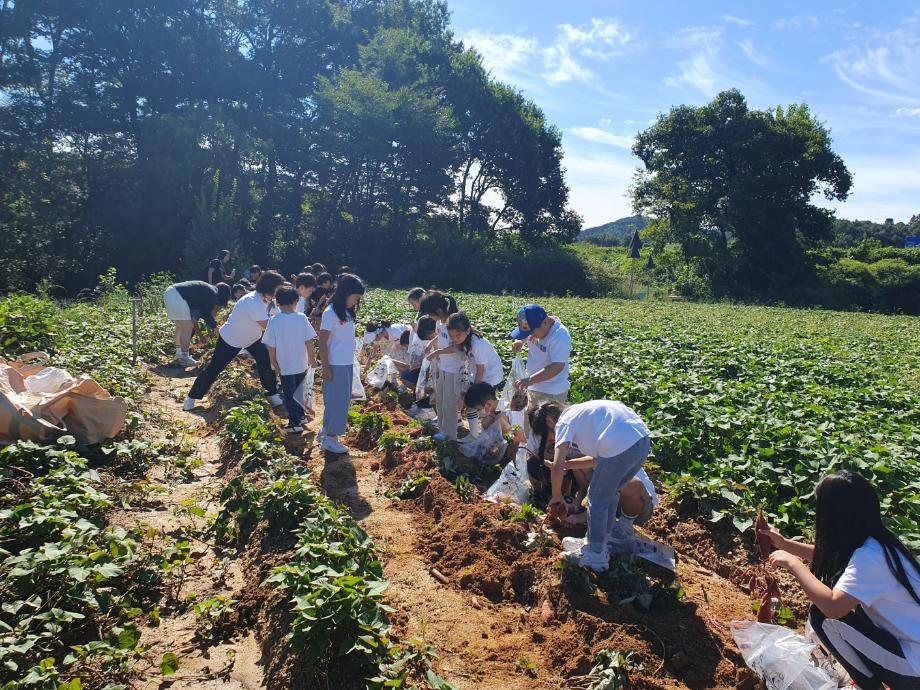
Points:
(479, 352)
(337, 350)
(447, 382)
(243, 329)
(863, 583)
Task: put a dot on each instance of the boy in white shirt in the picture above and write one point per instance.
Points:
(305, 284)
(289, 339)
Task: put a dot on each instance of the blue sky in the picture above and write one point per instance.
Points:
(603, 70)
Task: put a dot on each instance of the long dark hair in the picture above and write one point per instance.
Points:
(435, 303)
(847, 514)
(374, 326)
(461, 322)
(539, 423)
(348, 285)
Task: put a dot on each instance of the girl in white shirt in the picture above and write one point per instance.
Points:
(863, 583)
(484, 361)
(337, 350)
(447, 391)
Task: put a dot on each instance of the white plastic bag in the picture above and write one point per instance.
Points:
(357, 388)
(513, 484)
(488, 446)
(782, 658)
(426, 376)
(385, 370)
(49, 380)
(516, 374)
(305, 394)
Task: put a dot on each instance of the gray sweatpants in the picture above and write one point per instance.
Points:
(611, 475)
(447, 402)
(337, 399)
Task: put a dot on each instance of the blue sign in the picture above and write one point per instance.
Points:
(912, 241)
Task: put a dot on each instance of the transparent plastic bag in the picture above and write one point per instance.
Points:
(305, 395)
(385, 370)
(357, 388)
(781, 657)
(488, 446)
(511, 398)
(513, 484)
(426, 375)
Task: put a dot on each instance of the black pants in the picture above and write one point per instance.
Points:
(289, 384)
(856, 637)
(222, 356)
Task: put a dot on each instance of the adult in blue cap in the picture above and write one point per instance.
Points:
(548, 348)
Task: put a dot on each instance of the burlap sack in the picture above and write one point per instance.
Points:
(84, 409)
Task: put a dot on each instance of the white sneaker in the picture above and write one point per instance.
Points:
(292, 428)
(189, 404)
(275, 400)
(622, 539)
(332, 445)
(598, 561)
(186, 360)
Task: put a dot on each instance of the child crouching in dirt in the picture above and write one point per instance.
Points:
(617, 440)
(863, 582)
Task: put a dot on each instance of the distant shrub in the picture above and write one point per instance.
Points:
(26, 324)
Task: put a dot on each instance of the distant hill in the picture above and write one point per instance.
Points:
(614, 232)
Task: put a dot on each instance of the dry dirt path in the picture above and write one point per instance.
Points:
(234, 664)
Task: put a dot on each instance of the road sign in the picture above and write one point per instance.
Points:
(912, 241)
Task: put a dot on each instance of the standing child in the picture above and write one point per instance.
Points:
(484, 361)
(447, 382)
(337, 350)
(289, 339)
(305, 284)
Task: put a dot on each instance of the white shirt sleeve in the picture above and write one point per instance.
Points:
(560, 347)
(867, 576)
(328, 322)
(268, 337)
(309, 331)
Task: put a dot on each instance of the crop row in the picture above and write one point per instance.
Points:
(332, 576)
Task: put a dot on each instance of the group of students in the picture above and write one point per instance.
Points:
(863, 582)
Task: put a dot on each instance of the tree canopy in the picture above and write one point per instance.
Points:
(140, 134)
(734, 186)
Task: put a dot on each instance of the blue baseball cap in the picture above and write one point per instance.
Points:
(528, 318)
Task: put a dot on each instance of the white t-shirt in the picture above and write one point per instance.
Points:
(887, 603)
(301, 305)
(341, 337)
(555, 346)
(242, 328)
(289, 335)
(395, 331)
(452, 363)
(600, 428)
(482, 353)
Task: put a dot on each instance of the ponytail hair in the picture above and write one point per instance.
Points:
(539, 422)
(437, 304)
(461, 322)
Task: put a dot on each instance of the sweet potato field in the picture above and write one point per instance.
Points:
(748, 406)
(210, 550)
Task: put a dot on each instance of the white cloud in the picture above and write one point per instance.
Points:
(796, 23)
(907, 112)
(732, 19)
(752, 54)
(508, 55)
(600, 136)
(884, 65)
(600, 39)
(883, 187)
(699, 70)
(502, 54)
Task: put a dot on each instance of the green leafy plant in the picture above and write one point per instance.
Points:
(412, 487)
(610, 672)
(526, 513)
(465, 489)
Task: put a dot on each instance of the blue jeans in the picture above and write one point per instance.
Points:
(289, 384)
(337, 399)
(611, 475)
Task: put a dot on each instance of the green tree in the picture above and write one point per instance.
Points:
(214, 226)
(735, 187)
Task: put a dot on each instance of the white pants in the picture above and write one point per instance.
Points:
(447, 402)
